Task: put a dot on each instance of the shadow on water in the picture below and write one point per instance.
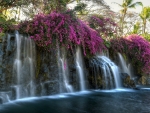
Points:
(114, 101)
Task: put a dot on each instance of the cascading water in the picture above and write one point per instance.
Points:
(8, 42)
(24, 66)
(63, 72)
(125, 68)
(105, 72)
(29, 58)
(80, 68)
(4, 97)
(17, 63)
(71, 70)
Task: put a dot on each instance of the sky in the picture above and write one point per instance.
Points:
(116, 8)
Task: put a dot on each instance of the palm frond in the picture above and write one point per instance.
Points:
(129, 2)
(142, 17)
(117, 4)
(145, 13)
(135, 4)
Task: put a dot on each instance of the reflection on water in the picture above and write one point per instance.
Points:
(114, 101)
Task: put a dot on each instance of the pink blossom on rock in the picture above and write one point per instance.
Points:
(67, 29)
(135, 47)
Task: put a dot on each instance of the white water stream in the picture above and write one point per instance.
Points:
(125, 67)
(103, 66)
(80, 69)
(24, 66)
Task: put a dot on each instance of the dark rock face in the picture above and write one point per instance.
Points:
(144, 79)
(7, 58)
(100, 74)
(127, 81)
(47, 79)
(1, 100)
(47, 73)
(96, 82)
(49, 88)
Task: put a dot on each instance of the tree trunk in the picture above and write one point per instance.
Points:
(144, 26)
(123, 17)
(122, 23)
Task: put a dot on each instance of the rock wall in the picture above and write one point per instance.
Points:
(47, 78)
(7, 59)
(144, 79)
(47, 72)
(1, 53)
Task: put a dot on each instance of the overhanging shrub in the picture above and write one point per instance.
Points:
(64, 27)
(137, 48)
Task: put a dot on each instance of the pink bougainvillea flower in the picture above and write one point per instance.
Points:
(105, 26)
(69, 30)
(135, 47)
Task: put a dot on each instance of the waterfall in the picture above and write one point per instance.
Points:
(59, 68)
(63, 71)
(8, 42)
(66, 71)
(125, 68)
(17, 63)
(80, 68)
(65, 74)
(24, 66)
(105, 72)
(4, 97)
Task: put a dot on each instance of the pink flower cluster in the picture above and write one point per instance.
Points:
(135, 47)
(68, 30)
(105, 26)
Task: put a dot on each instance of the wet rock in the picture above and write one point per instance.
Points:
(148, 81)
(144, 79)
(127, 81)
(96, 83)
(1, 100)
(99, 82)
(72, 68)
(14, 93)
(50, 87)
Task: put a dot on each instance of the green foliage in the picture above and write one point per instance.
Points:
(107, 43)
(80, 8)
(5, 24)
(146, 36)
(145, 15)
(136, 28)
(125, 6)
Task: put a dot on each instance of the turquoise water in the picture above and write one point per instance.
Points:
(108, 101)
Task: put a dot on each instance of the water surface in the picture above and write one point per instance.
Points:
(108, 101)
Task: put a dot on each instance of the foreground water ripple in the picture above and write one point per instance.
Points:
(136, 101)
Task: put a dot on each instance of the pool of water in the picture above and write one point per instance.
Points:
(108, 101)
